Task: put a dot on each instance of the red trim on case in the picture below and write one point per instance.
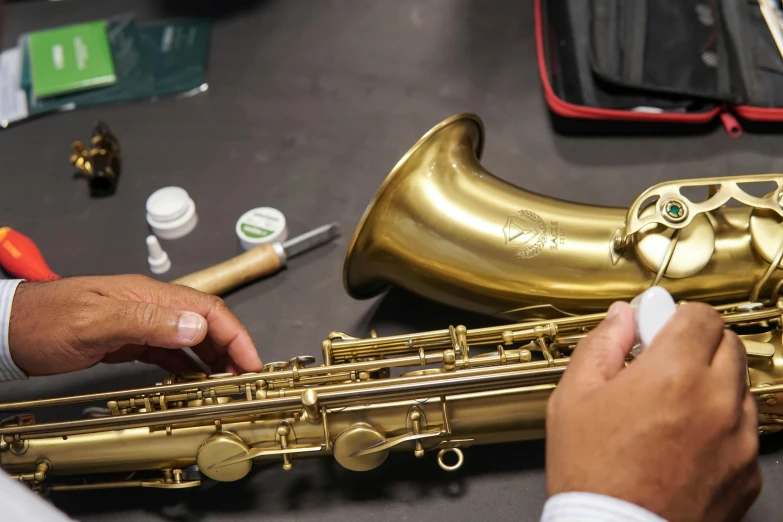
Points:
(570, 110)
(759, 114)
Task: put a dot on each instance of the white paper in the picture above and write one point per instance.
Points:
(13, 100)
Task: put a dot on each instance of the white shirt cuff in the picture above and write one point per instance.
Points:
(8, 370)
(590, 507)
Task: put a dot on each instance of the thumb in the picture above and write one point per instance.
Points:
(601, 354)
(153, 325)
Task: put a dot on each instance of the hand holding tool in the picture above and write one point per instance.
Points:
(21, 258)
(257, 262)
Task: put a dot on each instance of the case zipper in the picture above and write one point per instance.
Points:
(730, 123)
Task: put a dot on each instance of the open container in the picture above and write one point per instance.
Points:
(663, 61)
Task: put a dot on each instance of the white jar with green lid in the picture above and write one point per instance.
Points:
(261, 225)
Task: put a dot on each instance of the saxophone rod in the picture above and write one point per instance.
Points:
(520, 331)
(400, 388)
(223, 381)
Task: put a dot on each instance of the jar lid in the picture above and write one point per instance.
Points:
(261, 225)
(167, 203)
(171, 213)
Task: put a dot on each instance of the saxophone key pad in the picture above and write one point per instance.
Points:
(693, 251)
(218, 448)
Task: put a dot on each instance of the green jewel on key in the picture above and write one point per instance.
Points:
(675, 210)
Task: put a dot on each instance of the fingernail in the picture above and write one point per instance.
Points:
(614, 309)
(190, 326)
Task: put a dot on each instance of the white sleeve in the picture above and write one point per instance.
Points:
(20, 503)
(590, 507)
(8, 370)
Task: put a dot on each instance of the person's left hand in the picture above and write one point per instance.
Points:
(70, 324)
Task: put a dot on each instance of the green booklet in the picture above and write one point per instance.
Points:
(70, 58)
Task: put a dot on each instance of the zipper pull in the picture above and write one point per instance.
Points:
(730, 123)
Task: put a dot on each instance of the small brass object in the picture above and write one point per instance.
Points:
(450, 467)
(99, 162)
(675, 210)
(311, 405)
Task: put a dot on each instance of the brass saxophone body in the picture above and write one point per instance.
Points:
(443, 227)
(436, 392)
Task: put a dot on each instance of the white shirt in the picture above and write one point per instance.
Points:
(19, 503)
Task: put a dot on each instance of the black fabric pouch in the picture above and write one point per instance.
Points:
(673, 61)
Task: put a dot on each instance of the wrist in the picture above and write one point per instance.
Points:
(594, 507)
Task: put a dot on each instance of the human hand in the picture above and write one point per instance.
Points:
(674, 432)
(73, 323)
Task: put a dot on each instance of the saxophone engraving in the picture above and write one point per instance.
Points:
(445, 228)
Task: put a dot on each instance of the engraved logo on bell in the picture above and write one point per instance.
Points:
(527, 232)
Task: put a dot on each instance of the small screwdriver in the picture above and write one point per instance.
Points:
(21, 258)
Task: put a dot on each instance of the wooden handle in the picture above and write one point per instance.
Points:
(224, 277)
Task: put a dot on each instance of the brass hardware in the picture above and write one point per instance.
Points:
(442, 226)
(311, 405)
(283, 431)
(415, 416)
(759, 349)
(773, 267)
(675, 210)
(100, 163)
(453, 467)
(218, 448)
(352, 440)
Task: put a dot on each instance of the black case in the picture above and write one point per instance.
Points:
(667, 61)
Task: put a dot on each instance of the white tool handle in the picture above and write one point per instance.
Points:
(651, 310)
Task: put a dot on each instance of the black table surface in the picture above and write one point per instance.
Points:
(309, 106)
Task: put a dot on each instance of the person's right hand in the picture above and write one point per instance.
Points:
(674, 432)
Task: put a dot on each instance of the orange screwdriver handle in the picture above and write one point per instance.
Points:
(21, 258)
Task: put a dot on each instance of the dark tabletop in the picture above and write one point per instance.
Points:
(309, 106)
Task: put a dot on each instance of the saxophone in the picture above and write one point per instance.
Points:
(436, 392)
(445, 228)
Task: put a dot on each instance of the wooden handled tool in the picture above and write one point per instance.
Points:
(257, 262)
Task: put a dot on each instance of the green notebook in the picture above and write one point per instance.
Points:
(70, 58)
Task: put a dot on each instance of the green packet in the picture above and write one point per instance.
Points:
(70, 58)
(150, 60)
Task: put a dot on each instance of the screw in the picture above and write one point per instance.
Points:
(675, 210)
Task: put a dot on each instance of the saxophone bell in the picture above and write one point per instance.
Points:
(444, 227)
